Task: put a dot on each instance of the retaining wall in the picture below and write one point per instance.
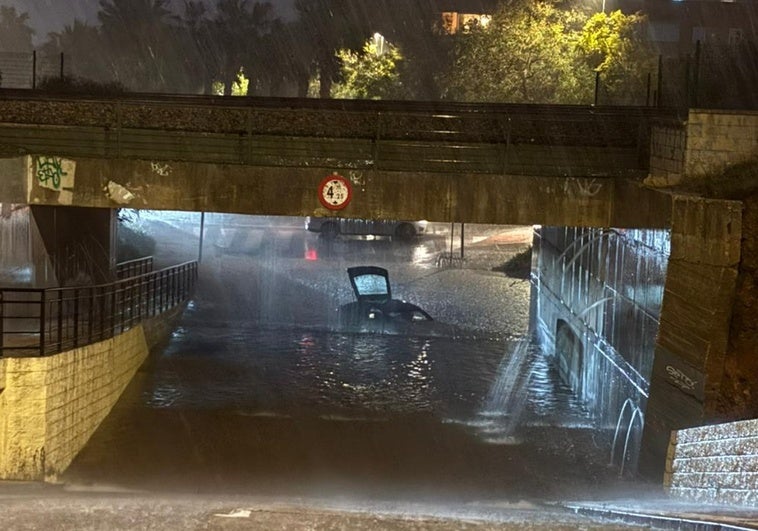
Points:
(708, 143)
(717, 139)
(51, 405)
(714, 464)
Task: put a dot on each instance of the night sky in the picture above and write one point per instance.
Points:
(52, 15)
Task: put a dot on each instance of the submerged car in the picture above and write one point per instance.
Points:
(374, 309)
(330, 228)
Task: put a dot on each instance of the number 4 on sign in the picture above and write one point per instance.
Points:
(335, 192)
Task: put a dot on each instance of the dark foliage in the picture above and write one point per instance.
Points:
(520, 266)
(76, 85)
(133, 244)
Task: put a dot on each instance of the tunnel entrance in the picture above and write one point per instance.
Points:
(259, 388)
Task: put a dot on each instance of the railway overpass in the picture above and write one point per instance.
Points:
(555, 166)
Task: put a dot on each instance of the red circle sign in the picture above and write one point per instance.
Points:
(335, 192)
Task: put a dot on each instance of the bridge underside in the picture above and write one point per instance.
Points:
(470, 198)
(123, 164)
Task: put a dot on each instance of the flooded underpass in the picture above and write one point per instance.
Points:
(257, 392)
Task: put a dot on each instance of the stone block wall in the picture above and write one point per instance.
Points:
(667, 147)
(714, 464)
(691, 346)
(707, 143)
(50, 406)
(717, 139)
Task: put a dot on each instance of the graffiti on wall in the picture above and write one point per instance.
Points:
(53, 173)
(582, 188)
(163, 170)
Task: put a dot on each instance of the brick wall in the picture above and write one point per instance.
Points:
(714, 464)
(50, 406)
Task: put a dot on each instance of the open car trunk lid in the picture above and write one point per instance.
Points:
(370, 283)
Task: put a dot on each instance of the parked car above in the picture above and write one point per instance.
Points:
(330, 228)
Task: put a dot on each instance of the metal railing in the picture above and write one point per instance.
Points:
(47, 321)
(133, 268)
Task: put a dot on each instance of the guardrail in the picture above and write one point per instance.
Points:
(37, 321)
(133, 268)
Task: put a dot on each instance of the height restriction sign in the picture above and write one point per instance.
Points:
(335, 192)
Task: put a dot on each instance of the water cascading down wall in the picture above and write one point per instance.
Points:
(596, 305)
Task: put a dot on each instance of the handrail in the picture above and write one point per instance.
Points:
(131, 268)
(40, 321)
(636, 413)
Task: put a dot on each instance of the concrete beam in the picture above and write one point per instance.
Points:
(470, 198)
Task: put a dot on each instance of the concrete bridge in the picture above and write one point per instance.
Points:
(559, 167)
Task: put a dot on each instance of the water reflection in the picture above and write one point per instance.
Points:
(493, 384)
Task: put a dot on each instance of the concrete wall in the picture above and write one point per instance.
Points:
(50, 406)
(714, 464)
(596, 301)
(261, 190)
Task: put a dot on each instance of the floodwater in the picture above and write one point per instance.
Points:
(243, 400)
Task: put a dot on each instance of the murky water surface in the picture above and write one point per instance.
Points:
(243, 400)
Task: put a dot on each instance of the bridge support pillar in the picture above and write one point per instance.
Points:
(80, 242)
(691, 349)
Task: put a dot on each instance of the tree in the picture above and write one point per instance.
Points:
(328, 26)
(614, 45)
(197, 44)
(526, 54)
(141, 36)
(15, 33)
(82, 46)
(372, 73)
(236, 41)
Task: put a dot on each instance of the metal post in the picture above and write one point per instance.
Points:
(76, 317)
(462, 232)
(34, 69)
(452, 233)
(42, 318)
(60, 320)
(660, 82)
(89, 314)
(113, 311)
(696, 75)
(202, 227)
(597, 85)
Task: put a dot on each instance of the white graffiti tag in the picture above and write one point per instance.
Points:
(680, 379)
(164, 170)
(582, 187)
